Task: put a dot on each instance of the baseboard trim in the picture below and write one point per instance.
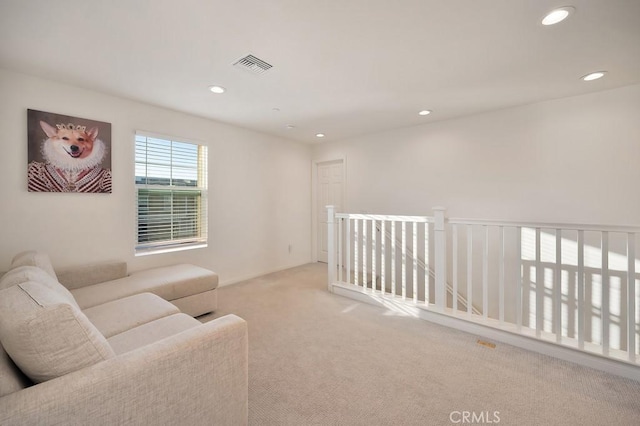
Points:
(576, 356)
(237, 280)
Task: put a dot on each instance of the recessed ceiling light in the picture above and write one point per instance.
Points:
(290, 127)
(276, 109)
(558, 15)
(424, 112)
(217, 89)
(320, 135)
(593, 76)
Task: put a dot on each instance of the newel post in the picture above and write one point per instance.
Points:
(331, 244)
(440, 256)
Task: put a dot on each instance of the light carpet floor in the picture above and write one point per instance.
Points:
(320, 359)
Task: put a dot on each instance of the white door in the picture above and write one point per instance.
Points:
(330, 186)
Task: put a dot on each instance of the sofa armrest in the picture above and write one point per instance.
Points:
(197, 377)
(81, 276)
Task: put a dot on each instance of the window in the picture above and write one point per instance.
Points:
(171, 186)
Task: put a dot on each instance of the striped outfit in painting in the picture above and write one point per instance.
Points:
(44, 177)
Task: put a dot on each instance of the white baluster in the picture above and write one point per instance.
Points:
(606, 319)
(539, 287)
(348, 248)
(365, 225)
(374, 260)
(501, 276)
(404, 260)
(469, 269)
(383, 256)
(557, 288)
(485, 273)
(519, 278)
(393, 258)
(356, 272)
(340, 248)
(581, 289)
(631, 296)
(427, 298)
(440, 256)
(331, 253)
(415, 261)
(454, 296)
(454, 237)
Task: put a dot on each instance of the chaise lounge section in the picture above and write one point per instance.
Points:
(191, 288)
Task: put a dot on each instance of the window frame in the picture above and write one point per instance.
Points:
(201, 221)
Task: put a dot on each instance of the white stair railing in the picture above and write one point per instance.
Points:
(568, 284)
(542, 285)
(459, 300)
(390, 266)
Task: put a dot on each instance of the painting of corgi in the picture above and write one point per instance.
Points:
(72, 161)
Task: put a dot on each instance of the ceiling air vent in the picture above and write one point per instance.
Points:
(253, 65)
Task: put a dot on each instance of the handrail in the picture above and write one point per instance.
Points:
(546, 225)
(390, 218)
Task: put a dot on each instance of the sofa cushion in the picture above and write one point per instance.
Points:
(22, 274)
(151, 332)
(46, 336)
(121, 315)
(11, 378)
(168, 282)
(34, 258)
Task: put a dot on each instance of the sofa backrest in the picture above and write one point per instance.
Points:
(12, 379)
(45, 335)
(38, 315)
(34, 258)
(22, 274)
(94, 273)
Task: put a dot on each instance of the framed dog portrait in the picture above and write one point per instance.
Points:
(68, 154)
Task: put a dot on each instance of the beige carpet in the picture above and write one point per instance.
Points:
(321, 359)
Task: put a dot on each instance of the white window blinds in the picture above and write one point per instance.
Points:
(171, 184)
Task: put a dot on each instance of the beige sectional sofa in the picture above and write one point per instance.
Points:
(109, 348)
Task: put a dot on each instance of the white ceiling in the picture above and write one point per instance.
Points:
(340, 67)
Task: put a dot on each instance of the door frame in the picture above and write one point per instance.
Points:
(314, 197)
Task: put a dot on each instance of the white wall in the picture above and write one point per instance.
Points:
(259, 188)
(567, 160)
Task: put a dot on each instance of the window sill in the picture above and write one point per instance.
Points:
(170, 249)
